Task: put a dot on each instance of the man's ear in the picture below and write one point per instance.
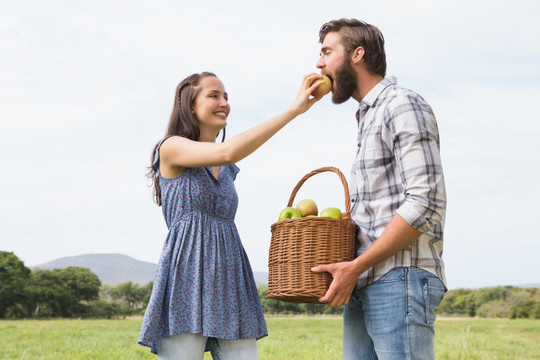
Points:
(357, 55)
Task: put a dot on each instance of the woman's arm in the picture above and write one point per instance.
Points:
(181, 152)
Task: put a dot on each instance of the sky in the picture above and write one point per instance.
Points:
(86, 90)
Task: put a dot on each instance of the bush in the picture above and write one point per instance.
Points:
(103, 309)
(494, 309)
(524, 309)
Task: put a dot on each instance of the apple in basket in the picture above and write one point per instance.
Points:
(307, 207)
(289, 213)
(331, 212)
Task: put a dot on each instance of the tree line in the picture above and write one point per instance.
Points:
(68, 292)
(77, 292)
(492, 302)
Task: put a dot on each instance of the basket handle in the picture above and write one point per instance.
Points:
(347, 213)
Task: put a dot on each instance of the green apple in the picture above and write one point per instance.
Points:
(307, 207)
(324, 88)
(289, 213)
(333, 213)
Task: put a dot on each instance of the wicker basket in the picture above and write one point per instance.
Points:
(299, 244)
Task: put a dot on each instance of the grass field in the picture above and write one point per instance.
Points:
(291, 338)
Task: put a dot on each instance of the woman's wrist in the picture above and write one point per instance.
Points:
(291, 113)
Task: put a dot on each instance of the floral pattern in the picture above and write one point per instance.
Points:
(204, 283)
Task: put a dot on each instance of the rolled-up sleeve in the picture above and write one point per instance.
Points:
(411, 130)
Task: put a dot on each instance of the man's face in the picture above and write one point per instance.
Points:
(336, 64)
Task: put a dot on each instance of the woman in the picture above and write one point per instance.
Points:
(204, 296)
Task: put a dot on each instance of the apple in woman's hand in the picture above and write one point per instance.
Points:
(324, 88)
(289, 213)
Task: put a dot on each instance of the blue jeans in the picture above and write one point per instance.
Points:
(192, 347)
(393, 318)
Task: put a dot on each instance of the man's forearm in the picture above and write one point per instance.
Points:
(397, 235)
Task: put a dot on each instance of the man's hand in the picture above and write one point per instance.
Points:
(345, 276)
(397, 235)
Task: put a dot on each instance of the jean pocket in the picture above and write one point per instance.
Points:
(393, 276)
(433, 290)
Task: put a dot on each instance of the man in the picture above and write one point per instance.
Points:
(398, 202)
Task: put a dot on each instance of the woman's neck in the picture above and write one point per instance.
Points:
(207, 137)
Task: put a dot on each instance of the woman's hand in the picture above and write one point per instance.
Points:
(304, 100)
(179, 152)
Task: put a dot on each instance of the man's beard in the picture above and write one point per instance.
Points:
(346, 80)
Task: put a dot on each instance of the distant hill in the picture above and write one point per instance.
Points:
(110, 268)
(114, 269)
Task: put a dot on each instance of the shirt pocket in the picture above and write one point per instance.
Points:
(375, 156)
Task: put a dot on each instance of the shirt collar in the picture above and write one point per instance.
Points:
(374, 93)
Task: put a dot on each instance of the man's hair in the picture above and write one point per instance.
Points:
(355, 33)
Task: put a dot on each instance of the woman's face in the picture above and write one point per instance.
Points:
(211, 107)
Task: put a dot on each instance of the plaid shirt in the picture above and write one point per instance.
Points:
(398, 169)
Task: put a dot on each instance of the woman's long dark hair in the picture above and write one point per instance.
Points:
(182, 122)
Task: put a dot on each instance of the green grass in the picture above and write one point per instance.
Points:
(71, 339)
(290, 338)
(483, 339)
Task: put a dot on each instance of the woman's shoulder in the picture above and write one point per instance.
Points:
(172, 139)
(167, 141)
(166, 148)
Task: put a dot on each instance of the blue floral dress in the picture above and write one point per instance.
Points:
(204, 283)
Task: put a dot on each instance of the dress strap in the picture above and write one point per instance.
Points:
(155, 164)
